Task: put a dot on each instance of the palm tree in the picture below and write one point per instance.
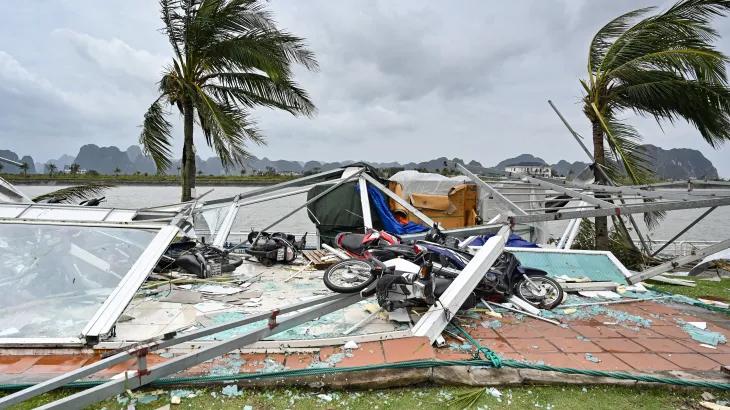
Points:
(663, 66)
(117, 171)
(24, 168)
(228, 57)
(75, 168)
(51, 167)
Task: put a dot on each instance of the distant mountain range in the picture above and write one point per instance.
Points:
(678, 163)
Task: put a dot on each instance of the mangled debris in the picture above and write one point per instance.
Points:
(225, 295)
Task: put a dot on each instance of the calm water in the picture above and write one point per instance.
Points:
(715, 226)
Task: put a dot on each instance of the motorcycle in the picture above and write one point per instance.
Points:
(505, 278)
(272, 248)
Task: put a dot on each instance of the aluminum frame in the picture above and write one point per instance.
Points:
(367, 217)
(107, 314)
(435, 320)
(666, 266)
(105, 318)
(152, 345)
(145, 376)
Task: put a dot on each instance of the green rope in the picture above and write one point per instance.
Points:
(489, 355)
(416, 364)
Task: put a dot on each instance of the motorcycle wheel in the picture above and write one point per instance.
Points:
(553, 292)
(348, 276)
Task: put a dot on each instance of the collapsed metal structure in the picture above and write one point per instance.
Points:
(218, 216)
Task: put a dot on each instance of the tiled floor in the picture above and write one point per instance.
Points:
(585, 344)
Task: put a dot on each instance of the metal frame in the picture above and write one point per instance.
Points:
(355, 175)
(402, 202)
(144, 375)
(106, 315)
(666, 266)
(105, 318)
(275, 187)
(433, 322)
(367, 218)
(577, 195)
(687, 228)
(224, 227)
(152, 345)
(495, 193)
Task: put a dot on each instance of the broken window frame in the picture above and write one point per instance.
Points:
(105, 317)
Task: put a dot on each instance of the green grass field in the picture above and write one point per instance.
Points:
(423, 397)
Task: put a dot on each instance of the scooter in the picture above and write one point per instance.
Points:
(505, 278)
(272, 248)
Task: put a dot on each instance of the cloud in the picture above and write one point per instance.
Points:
(115, 56)
(407, 80)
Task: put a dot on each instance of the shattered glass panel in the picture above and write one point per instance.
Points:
(596, 267)
(53, 278)
(208, 219)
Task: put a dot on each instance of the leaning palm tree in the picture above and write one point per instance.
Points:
(663, 66)
(228, 57)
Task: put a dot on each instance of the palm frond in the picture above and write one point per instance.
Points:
(606, 37)
(669, 97)
(155, 136)
(624, 143)
(226, 129)
(74, 193)
(173, 25)
(253, 89)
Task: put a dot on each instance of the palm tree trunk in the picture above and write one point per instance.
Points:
(188, 158)
(599, 158)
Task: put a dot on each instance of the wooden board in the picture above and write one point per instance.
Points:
(316, 256)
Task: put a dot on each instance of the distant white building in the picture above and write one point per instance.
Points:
(529, 168)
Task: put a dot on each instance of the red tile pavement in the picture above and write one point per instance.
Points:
(532, 345)
(607, 362)
(574, 345)
(499, 346)
(597, 331)
(298, 360)
(663, 345)
(16, 364)
(672, 331)
(58, 364)
(449, 354)
(637, 332)
(696, 346)
(621, 345)
(722, 358)
(410, 348)
(366, 354)
(646, 361)
(483, 333)
(691, 361)
(516, 331)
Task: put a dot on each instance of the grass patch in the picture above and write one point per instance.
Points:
(421, 397)
(705, 289)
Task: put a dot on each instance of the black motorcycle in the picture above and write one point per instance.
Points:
(505, 278)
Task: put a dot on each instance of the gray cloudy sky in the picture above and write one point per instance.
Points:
(405, 80)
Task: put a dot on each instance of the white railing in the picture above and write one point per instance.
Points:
(677, 248)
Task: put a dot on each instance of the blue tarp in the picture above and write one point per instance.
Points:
(390, 224)
(514, 241)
